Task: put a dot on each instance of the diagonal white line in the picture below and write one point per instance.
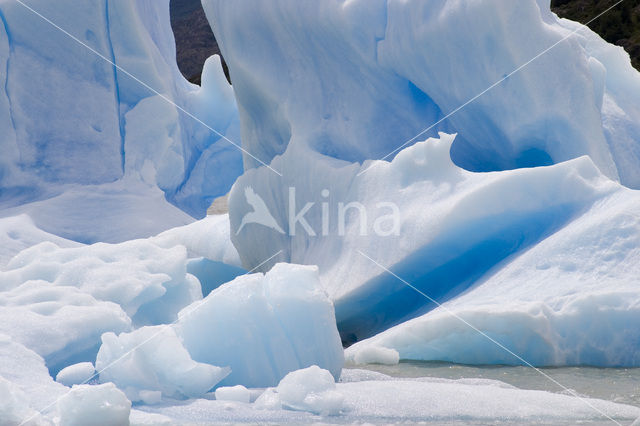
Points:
(162, 330)
(77, 40)
(500, 345)
(491, 87)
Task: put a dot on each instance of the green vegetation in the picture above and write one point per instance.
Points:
(620, 25)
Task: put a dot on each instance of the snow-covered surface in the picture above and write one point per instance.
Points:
(373, 397)
(263, 326)
(208, 238)
(155, 287)
(19, 232)
(26, 386)
(99, 405)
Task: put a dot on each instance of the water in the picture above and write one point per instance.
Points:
(621, 385)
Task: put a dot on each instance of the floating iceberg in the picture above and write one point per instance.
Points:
(572, 299)
(454, 225)
(264, 326)
(546, 121)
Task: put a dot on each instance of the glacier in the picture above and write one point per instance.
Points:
(430, 192)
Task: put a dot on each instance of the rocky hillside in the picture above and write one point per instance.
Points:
(621, 25)
(195, 41)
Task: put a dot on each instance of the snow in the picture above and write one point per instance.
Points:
(19, 232)
(153, 358)
(13, 406)
(154, 289)
(207, 238)
(62, 324)
(570, 300)
(264, 326)
(374, 397)
(86, 405)
(76, 374)
(27, 388)
(236, 393)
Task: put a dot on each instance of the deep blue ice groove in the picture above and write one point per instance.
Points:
(443, 269)
(121, 120)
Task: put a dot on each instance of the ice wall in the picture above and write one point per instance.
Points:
(355, 80)
(70, 118)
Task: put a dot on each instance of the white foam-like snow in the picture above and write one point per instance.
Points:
(27, 387)
(264, 326)
(60, 323)
(19, 232)
(208, 238)
(378, 398)
(86, 405)
(152, 359)
(154, 288)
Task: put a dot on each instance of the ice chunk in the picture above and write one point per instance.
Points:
(264, 326)
(76, 374)
(570, 300)
(60, 323)
(236, 393)
(30, 382)
(14, 408)
(208, 238)
(372, 355)
(102, 405)
(311, 389)
(154, 359)
(154, 288)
